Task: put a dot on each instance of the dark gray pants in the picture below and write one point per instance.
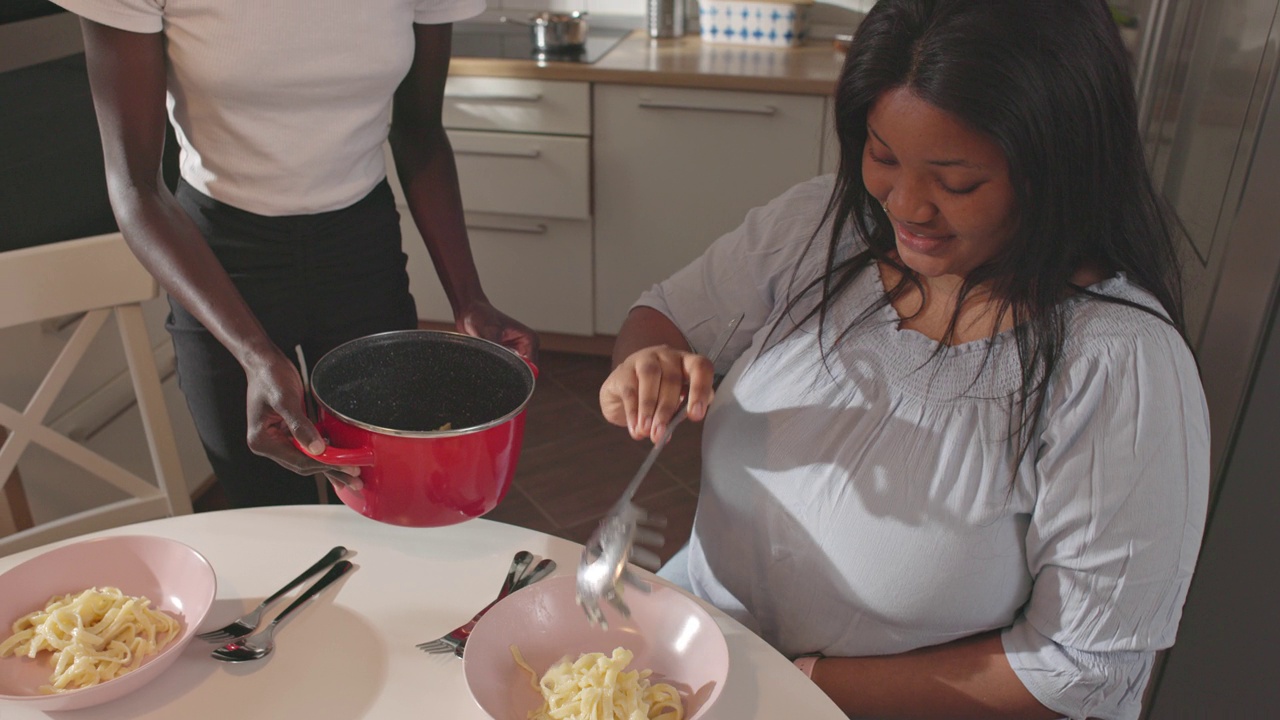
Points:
(311, 280)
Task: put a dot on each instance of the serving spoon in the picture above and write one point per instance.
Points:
(261, 643)
(603, 566)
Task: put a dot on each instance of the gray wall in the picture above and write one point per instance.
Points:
(34, 41)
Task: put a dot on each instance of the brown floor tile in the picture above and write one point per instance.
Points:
(553, 415)
(581, 375)
(677, 505)
(517, 509)
(581, 478)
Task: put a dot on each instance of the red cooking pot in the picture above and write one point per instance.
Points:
(435, 419)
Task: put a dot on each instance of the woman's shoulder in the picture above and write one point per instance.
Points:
(816, 189)
(1117, 307)
(800, 206)
(785, 227)
(1120, 326)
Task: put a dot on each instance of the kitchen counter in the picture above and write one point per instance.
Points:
(684, 62)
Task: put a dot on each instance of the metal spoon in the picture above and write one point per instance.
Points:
(603, 566)
(261, 643)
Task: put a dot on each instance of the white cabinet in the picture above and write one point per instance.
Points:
(524, 166)
(676, 168)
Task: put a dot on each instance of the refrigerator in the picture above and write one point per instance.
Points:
(1206, 79)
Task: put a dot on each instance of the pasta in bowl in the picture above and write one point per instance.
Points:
(88, 622)
(534, 655)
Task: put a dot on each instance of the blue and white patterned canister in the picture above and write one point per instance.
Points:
(753, 23)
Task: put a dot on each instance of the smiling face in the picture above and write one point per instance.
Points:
(945, 187)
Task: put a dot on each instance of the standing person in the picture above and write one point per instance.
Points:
(283, 230)
(959, 464)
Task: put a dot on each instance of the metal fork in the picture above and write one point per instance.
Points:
(262, 643)
(603, 567)
(455, 641)
(247, 623)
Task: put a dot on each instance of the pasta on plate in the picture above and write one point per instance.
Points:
(599, 687)
(94, 636)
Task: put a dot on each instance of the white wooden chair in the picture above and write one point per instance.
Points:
(97, 276)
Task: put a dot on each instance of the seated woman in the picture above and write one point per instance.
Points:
(959, 463)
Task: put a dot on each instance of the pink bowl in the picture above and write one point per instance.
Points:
(176, 578)
(668, 632)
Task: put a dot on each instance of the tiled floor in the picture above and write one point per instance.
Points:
(574, 465)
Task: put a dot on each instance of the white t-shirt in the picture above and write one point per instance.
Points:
(863, 502)
(281, 107)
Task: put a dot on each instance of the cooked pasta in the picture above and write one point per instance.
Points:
(94, 636)
(599, 687)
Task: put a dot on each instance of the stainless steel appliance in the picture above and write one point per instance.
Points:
(515, 42)
(1207, 72)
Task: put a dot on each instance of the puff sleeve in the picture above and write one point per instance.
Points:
(747, 270)
(1122, 469)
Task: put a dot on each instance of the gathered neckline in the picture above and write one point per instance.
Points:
(889, 316)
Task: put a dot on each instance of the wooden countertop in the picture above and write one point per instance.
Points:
(684, 62)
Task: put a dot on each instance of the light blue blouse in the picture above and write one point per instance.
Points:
(865, 503)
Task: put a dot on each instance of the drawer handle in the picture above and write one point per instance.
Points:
(538, 229)
(484, 97)
(500, 153)
(759, 110)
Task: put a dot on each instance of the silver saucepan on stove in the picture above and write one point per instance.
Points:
(555, 31)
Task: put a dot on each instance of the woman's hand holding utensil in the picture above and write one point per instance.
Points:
(603, 567)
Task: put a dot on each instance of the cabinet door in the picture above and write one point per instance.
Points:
(677, 168)
(535, 269)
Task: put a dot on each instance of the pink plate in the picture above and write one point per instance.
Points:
(668, 632)
(176, 578)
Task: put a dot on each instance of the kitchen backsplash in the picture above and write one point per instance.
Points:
(630, 7)
(825, 18)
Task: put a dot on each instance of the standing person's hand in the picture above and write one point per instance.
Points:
(277, 415)
(483, 320)
(646, 389)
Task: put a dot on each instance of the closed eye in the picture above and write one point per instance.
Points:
(961, 191)
(881, 160)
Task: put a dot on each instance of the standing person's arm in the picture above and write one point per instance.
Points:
(425, 166)
(127, 74)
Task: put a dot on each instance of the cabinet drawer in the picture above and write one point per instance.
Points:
(538, 270)
(539, 175)
(513, 105)
(677, 168)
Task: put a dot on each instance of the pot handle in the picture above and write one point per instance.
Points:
(339, 456)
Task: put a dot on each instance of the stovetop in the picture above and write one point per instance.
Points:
(515, 42)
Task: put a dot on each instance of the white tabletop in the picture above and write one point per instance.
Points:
(350, 654)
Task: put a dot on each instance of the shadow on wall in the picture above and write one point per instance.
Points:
(52, 179)
(16, 10)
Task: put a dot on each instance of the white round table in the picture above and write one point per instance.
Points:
(350, 654)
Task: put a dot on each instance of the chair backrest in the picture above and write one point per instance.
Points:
(97, 277)
(47, 281)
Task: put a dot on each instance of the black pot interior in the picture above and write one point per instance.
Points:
(419, 380)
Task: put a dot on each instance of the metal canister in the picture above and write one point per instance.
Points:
(666, 18)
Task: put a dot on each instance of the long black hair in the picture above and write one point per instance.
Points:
(1049, 81)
